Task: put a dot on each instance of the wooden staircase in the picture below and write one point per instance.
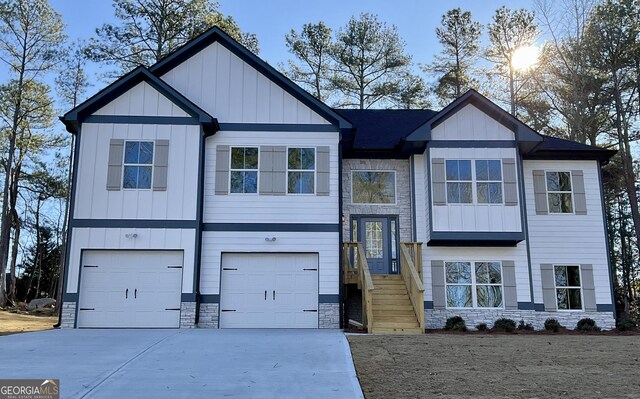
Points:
(391, 303)
(393, 312)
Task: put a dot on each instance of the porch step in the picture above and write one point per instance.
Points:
(384, 313)
(395, 324)
(407, 331)
(392, 307)
(386, 277)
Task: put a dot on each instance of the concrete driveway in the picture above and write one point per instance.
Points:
(185, 363)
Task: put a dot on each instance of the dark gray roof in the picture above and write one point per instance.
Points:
(382, 129)
(557, 148)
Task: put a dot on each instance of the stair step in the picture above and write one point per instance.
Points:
(382, 304)
(394, 313)
(407, 331)
(395, 324)
(390, 295)
(396, 320)
(390, 277)
(392, 307)
(387, 291)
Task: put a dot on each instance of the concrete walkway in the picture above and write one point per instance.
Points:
(185, 363)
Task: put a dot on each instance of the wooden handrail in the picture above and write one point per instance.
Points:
(356, 269)
(367, 288)
(413, 281)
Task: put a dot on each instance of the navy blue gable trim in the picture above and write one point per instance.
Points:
(216, 34)
(73, 118)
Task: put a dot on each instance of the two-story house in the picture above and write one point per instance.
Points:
(209, 190)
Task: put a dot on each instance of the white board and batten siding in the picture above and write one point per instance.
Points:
(470, 123)
(475, 217)
(233, 91)
(93, 238)
(568, 239)
(516, 254)
(256, 208)
(215, 243)
(178, 202)
(142, 100)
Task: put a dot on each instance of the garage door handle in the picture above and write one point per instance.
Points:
(274, 295)
(310, 310)
(135, 293)
(126, 293)
(310, 270)
(265, 295)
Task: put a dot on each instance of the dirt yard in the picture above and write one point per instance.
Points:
(493, 366)
(11, 323)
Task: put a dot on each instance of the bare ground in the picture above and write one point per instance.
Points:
(493, 366)
(11, 323)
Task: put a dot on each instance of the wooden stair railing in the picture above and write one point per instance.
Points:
(412, 278)
(358, 270)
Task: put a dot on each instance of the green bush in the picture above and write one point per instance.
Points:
(587, 324)
(626, 325)
(507, 325)
(455, 323)
(482, 327)
(552, 325)
(525, 326)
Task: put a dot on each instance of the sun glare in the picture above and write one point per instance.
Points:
(525, 57)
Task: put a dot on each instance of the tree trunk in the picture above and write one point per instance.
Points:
(622, 131)
(14, 258)
(36, 260)
(512, 90)
(5, 228)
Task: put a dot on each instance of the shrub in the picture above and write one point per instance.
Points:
(455, 323)
(523, 326)
(482, 327)
(626, 325)
(587, 324)
(552, 325)
(507, 325)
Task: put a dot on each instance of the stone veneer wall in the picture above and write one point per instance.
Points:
(329, 315)
(68, 315)
(403, 193)
(473, 317)
(187, 315)
(208, 315)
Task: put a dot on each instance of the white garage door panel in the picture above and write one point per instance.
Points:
(269, 291)
(139, 289)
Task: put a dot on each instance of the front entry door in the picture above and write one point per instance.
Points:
(374, 235)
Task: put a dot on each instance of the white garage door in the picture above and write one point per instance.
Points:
(269, 291)
(125, 289)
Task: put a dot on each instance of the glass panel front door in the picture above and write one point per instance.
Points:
(375, 234)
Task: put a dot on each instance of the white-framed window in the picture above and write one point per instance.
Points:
(489, 181)
(474, 284)
(373, 187)
(301, 170)
(568, 287)
(244, 170)
(559, 193)
(138, 165)
(459, 181)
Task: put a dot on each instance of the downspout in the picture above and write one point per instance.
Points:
(199, 218)
(72, 201)
(341, 295)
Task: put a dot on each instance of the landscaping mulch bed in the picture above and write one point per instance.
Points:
(529, 364)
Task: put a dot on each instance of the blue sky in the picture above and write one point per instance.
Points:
(270, 20)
